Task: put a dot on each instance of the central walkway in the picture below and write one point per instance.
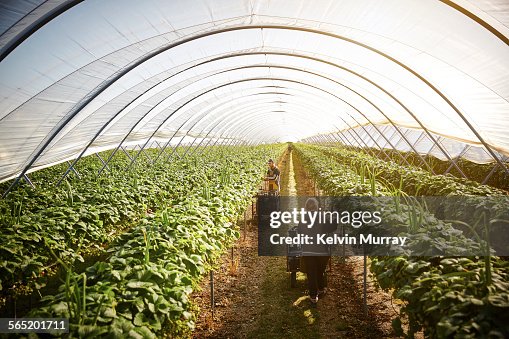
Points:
(292, 186)
(254, 298)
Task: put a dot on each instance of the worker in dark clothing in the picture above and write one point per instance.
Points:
(273, 176)
(315, 257)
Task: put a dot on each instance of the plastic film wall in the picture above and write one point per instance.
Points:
(78, 77)
(387, 137)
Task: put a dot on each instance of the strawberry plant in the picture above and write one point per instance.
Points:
(143, 287)
(446, 297)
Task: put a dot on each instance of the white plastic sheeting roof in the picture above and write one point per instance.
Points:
(82, 76)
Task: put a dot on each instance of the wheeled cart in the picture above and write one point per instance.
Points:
(293, 257)
(294, 253)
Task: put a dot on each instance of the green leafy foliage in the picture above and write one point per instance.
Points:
(446, 297)
(72, 220)
(142, 289)
(413, 180)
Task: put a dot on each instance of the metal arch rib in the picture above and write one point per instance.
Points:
(78, 107)
(193, 98)
(304, 84)
(338, 83)
(255, 66)
(231, 56)
(249, 110)
(235, 55)
(347, 103)
(35, 26)
(248, 128)
(261, 53)
(207, 112)
(220, 117)
(207, 91)
(478, 20)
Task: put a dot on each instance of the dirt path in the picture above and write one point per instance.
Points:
(253, 298)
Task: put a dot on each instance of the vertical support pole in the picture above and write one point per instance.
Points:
(73, 169)
(364, 287)
(343, 140)
(27, 179)
(127, 153)
(451, 160)
(343, 254)
(212, 302)
(465, 149)
(245, 225)
(490, 174)
(102, 161)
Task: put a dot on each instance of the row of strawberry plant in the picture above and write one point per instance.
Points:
(412, 180)
(82, 215)
(474, 171)
(143, 288)
(447, 297)
(72, 219)
(402, 215)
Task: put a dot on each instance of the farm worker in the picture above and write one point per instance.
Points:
(272, 176)
(315, 257)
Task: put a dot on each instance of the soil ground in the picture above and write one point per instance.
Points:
(253, 297)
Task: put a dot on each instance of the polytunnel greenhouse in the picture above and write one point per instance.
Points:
(254, 169)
